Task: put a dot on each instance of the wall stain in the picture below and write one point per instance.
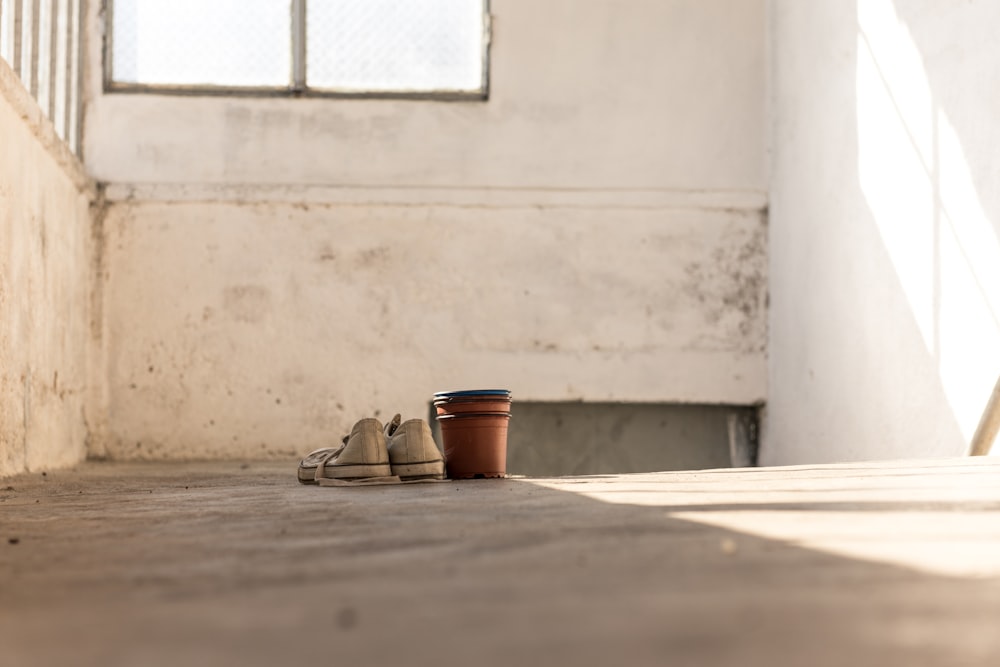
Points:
(326, 253)
(733, 287)
(247, 303)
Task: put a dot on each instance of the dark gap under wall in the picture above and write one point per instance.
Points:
(574, 438)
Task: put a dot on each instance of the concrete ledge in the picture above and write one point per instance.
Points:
(477, 197)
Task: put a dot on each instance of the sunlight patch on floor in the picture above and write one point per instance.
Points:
(935, 516)
(940, 543)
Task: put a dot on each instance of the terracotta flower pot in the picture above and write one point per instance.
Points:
(474, 431)
(475, 444)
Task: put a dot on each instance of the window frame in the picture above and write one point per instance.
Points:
(298, 76)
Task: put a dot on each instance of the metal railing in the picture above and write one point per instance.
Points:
(989, 425)
(40, 40)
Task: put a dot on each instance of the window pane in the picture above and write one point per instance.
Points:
(395, 45)
(191, 42)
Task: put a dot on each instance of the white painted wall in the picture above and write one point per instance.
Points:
(277, 268)
(45, 267)
(646, 94)
(276, 325)
(885, 228)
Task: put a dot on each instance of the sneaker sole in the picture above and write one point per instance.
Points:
(379, 481)
(419, 471)
(357, 471)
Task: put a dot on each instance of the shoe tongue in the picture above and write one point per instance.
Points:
(392, 425)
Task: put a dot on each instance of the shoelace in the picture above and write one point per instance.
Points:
(326, 458)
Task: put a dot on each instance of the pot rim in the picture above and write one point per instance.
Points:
(462, 415)
(472, 400)
(470, 393)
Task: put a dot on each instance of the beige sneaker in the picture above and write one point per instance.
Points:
(413, 454)
(362, 456)
(308, 465)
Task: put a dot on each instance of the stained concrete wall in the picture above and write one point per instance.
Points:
(277, 268)
(45, 264)
(885, 228)
(555, 439)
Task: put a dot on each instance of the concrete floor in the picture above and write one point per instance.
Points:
(230, 564)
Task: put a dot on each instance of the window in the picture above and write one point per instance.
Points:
(40, 40)
(335, 47)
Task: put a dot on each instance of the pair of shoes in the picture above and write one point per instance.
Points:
(371, 454)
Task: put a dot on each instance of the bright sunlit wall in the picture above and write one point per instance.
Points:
(885, 229)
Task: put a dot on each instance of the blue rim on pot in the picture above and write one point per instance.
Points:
(472, 393)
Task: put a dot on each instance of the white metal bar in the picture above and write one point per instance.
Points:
(15, 62)
(989, 425)
(9, 40)
(52, 59)
(74, 79)
(298, 44)
(32, 62)
(42, 64)
(67, 69)
(61, 64)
